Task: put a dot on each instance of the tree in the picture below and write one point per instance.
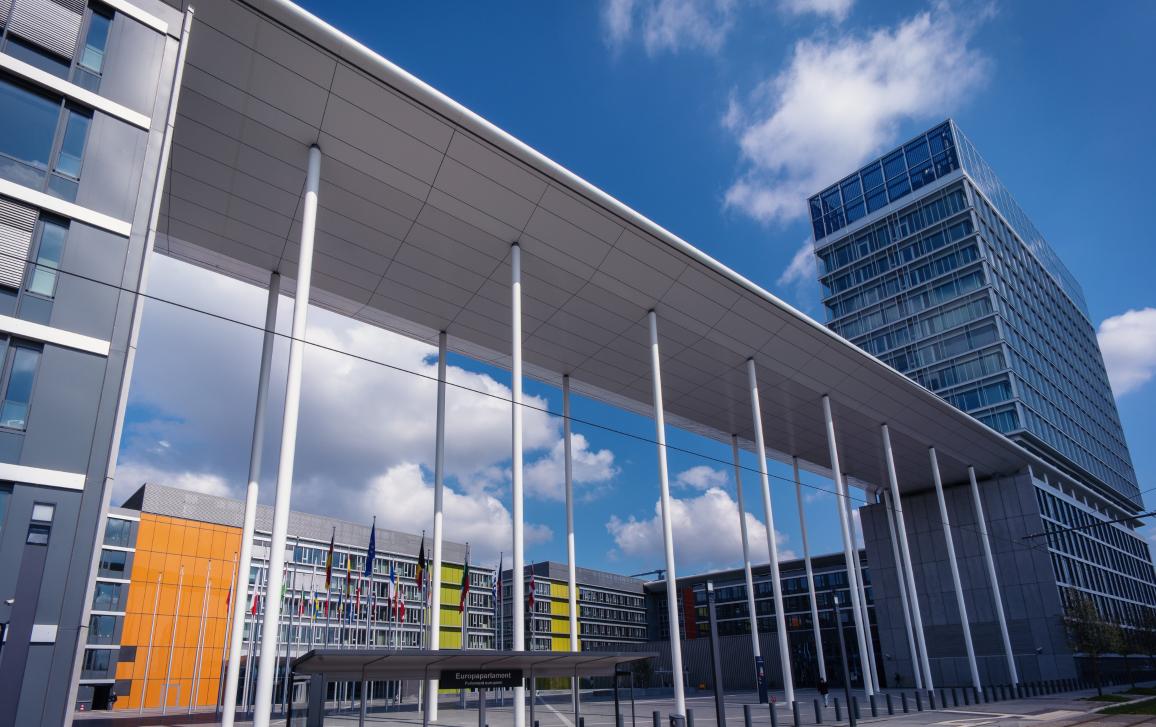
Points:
(1145, 636)
(1126, 646)
(1089, 633)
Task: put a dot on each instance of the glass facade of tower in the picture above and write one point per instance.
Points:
(927, 262)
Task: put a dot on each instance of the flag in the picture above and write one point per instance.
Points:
(253, 610)
(229, 597)
(348, 576)
(371, 553)
(420, 575)
(498, 582)
(329, 561)
(401, 609)
(465, 583)
(531, 591)
(392, 582)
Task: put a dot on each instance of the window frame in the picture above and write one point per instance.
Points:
(11, 345)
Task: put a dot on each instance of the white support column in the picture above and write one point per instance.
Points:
(850, 554)
(667, 528)
(772, 545)
(430, 710)
(954, 564)
(985, 538)
(256, 451)
(810, 575)
(904, 602)
(517, 586)
(859, 583)
(905, 553)
(750, 581)
(571, 562)
(268, 660)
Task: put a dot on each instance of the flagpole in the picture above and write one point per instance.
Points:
(228, 630)
(198, 659)
(292, 578)
(173, 641)
(149, 653)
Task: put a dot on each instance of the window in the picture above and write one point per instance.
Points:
(50, 249)
(63, 183)
(97, 660)
(91, 60)
(112, 563)
(20, 370)
(102, 629)
(27, 129)
(41, 525)
(118, 532)
(108, 597)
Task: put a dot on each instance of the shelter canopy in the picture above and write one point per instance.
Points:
(376, 664)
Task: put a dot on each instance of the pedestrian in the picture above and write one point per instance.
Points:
(823, 690)
(111, 699)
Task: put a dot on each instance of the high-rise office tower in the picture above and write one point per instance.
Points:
(927, 262)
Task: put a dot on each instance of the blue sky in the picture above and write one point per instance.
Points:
(714, 118)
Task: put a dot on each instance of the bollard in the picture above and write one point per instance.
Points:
(918, 701)
(581, 722)
(966, 701)
(855, 707)
(903, 701)
(689, 718)
(931, 699)
(818, 713)
(874, 707)
(890, 705)
(838, 712)
(943, 696)
(795, 712)
(656, 718)
(954, 697)
(774, 715)
(747, 715)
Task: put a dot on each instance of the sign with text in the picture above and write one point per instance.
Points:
(480, 678)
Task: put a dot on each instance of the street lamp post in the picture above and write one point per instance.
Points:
(846, 668)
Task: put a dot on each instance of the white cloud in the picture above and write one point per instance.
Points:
(701, 477)
(363, 426)
(1128, 342)
(803, 267)
(837, 10)
(842, 99)
(705, 533)
(669, 25)
(479, 519)
(546, 477)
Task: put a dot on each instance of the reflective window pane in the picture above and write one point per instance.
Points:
(36, 56)
(14, 412)
(27, 127)
(51, 248)
(72, 148)
(893, 165)
(95, 42)
(872, 176)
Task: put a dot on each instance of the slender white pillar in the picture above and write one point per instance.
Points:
(850, 555)
(430, 711)
(198, 661)
(953, 563)
(267, 666)
(906, 604)
(772, 545)
(256, 450)
(517, 586)
(144, 687)
(906, 567)
(750, 581)
(173, 644)
(985, 538)
(859, 583)
(571, 562)
(667, 527)
(810, 575)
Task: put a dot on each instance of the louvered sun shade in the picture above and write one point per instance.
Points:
(16, 225)
(53, 24)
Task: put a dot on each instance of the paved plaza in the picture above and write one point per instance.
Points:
(553, 710)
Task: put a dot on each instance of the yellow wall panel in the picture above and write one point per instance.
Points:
(560, 643)
(560, 608)
(559, 590)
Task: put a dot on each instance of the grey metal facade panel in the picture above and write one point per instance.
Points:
(113, 163)
(88, 304)
(66, 398)
(132, 65)
(17, 222)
